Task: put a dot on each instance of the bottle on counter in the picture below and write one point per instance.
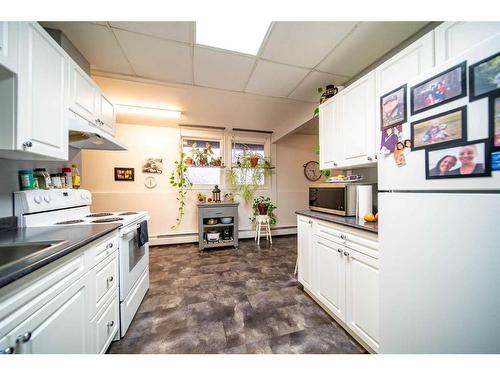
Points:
(75, 177)
(56, 180)
(68, 180)
(26, 180)
(42, 177)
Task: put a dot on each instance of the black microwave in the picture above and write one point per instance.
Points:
(333, 198)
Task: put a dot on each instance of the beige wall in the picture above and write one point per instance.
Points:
(287, 188)
(151, 138)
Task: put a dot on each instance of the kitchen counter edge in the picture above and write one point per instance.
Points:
(352, 222)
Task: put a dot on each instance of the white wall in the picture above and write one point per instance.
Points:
(288, 187)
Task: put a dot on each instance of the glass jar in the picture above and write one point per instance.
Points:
(26, 180)
(42, 177)
(56, 180)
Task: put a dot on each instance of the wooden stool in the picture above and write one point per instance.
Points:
(262, 221)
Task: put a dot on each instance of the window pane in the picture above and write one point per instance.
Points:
(246, 175)
(203, 153)
(240, 149)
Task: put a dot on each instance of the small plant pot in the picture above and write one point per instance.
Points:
(188, 161)
(262, 209)
(254, 161)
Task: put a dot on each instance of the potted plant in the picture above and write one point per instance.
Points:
(201, 197)
(264, 206)
(253, 159)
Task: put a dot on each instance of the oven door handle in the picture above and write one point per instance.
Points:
(123, 233)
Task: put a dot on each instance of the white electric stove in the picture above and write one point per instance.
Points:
(59, 207)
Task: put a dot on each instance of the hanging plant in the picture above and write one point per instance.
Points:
(264, 206)
(247, 175)
(179, 180)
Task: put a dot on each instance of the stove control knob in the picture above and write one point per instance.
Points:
(38, 199)
(47, 198)
(84, 196)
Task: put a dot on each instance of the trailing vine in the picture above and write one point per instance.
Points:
(179, 180)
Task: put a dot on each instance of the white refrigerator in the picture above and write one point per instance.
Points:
(440, 244)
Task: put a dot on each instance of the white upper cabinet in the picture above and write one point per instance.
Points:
(87, 101)
(455, 38)
(9, 45)
(84, 94)
(330, 152)
(358, 122)
(107, 114)
(43, 79)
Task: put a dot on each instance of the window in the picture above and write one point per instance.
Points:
(246, 174)
(203, 155)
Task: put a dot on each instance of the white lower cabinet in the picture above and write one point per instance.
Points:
(68, 306)
(362, 296)
(339, 268)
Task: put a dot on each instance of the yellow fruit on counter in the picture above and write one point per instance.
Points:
(369, 217)
(376, 216)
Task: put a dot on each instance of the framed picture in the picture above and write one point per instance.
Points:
(444, 128)
(124, 174)
(393, 108)
(495, 122)
(152, 165)
(440, 89)
(468, 159)
(390, 137)
(484, 78)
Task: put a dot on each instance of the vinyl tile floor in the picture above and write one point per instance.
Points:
(244, 300)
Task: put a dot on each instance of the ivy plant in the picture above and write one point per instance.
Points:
(179, 181)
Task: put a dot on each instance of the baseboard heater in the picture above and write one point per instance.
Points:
(189, 237)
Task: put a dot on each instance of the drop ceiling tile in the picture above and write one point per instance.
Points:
(274, 79)
(308, 89)
(178, 31)
(97, 43)
(157, 58)
(304, 43)
(367, 43)
(214, 68)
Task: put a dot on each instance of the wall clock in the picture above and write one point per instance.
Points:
(311, 170)
(150, 182)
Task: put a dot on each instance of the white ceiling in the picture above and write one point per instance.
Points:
(294, 59)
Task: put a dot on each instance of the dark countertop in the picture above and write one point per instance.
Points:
(74, 237)
(343, 220)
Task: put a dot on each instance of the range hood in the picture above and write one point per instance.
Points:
(83, 135)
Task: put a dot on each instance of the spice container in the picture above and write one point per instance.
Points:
(68, 180)
(42, 177)
(26, 180)
(56, 180)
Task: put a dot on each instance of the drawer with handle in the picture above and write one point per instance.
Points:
(101, 250)
(106, 324)
(218, 212)
(106, 279)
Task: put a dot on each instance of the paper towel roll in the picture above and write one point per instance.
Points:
(364, 200)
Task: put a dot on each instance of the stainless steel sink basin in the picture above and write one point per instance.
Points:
(18, 251)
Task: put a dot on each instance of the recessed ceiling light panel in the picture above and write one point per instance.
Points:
(147, 111)
(239, 36)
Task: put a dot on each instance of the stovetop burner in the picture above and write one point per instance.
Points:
(128, 213)
(70, 222)
(107, 220)
(100, 214)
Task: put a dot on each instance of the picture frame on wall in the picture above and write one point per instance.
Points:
(393, 108)
(464, 160)
(436, 131)
(124, 174)
(484, 78)
(494, 120)
(440, 89)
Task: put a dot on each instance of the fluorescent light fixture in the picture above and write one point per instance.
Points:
(147, 111)
(240, 35)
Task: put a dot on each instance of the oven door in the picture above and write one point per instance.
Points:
(134, 259)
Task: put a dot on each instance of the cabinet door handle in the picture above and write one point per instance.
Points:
(27, 144)
(111, 324)
(369, 158)
(343, 236)
(339, 251)
(346, 253)
(109, 245)
(110, 279)
(335, 164)
(7, 350)
(376, 157)
(310, 222)
(24, 337)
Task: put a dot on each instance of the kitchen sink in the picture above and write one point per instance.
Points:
(17, 251)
